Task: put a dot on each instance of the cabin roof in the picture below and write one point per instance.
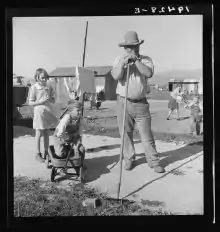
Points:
(71, 71)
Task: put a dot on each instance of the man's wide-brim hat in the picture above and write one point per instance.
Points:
(131, 39)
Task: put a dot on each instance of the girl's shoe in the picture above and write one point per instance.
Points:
(40, 158)
(45, 155)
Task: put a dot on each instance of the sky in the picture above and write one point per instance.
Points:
(173, 42)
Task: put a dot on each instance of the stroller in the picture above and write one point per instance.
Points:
(74, 158)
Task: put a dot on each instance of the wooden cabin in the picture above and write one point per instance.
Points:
(102, 76)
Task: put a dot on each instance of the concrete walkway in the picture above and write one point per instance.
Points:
(181, 193)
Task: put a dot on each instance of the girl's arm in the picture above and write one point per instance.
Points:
(32, 103)
(32, 98)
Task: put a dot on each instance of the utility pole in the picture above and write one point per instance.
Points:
(82, 97)
(84, 52)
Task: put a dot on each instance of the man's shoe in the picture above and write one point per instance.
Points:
(40, 158)
(159, 169)
(155, 165)
(129, 165)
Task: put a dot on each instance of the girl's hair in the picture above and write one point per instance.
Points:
(38, 72)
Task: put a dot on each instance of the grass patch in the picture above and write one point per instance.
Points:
(34, 198)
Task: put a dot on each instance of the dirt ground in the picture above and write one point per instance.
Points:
(183, 162)
(104, 121)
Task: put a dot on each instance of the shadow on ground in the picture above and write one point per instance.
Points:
(95, 168)
(106, 147)
(170, 157)
(99, 110)
(99, 166)
(23, 127)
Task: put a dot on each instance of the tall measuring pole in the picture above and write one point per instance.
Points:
(84, 51)
(82, 97)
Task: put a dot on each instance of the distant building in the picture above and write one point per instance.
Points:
(102, 75)
(191, 85)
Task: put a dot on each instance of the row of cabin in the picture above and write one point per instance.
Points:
(102, 75)
(192, 86)
(104, 81)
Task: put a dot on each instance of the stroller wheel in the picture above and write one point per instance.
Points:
(81, 174)
(53, 174)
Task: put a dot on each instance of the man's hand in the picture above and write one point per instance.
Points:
(125, 59)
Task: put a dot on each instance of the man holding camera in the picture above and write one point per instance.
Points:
(140, 69)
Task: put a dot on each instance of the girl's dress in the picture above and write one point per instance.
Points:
(44, 117)
(173, 104)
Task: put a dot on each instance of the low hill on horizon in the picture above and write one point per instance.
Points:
(162, 78)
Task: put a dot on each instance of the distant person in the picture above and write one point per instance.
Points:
(141, 68)
(196, 120)
(173, 104)
(41, 97)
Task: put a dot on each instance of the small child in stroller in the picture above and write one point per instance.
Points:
(69, 128)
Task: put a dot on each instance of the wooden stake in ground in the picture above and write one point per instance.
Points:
(123, 131)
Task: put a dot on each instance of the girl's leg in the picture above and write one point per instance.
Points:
(46, 141)
(37, 137)
(178, 114)
(168, 116)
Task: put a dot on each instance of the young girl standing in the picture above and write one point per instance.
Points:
(41, 98)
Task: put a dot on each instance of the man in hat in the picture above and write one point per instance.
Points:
(141, 68)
